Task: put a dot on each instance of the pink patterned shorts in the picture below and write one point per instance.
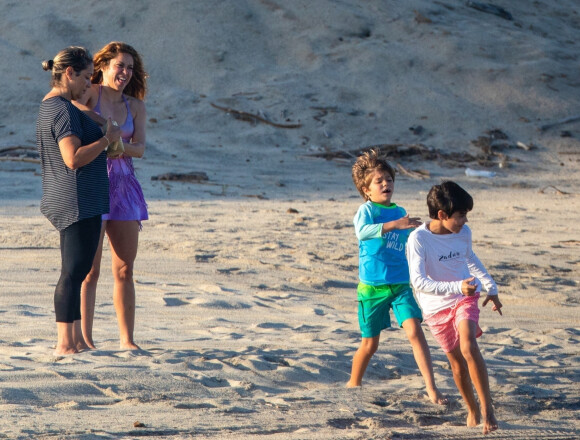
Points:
(444, 325)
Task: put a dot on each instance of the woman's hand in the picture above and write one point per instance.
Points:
(113, 131)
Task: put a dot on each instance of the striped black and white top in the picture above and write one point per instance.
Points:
(69, 195)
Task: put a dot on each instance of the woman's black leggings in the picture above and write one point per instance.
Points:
(78, 246)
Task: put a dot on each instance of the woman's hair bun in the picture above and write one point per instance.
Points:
(47, 64)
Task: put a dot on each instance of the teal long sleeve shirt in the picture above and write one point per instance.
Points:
(382, 257)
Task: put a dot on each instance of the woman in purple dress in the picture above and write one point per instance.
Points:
(117, 92)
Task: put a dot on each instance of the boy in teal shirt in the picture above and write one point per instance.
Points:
(382, 229)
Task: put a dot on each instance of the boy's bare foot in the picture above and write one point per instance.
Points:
(489, 424)
(473, 419)
(349, 384)
(436, 397)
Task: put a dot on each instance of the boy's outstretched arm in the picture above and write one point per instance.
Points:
(496, 303)
(405, 222)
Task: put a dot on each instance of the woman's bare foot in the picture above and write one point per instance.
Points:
(473, 419)
(90, 345)
(81, 346)
(62, 350)
(349, 384)
(489, 424)
(129, 346)
(436, 397)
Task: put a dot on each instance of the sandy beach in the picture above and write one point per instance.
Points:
(247, 269)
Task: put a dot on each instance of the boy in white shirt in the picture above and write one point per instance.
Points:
(447, 277)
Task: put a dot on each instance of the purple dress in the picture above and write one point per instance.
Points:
(125, 193)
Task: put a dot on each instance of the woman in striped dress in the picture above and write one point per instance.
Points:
(75, 188)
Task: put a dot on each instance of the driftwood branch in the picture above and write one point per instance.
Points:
(16, 148)
(19, 159)
(194, 176)
(7, 154)
(560, 122)
(412, 173)
(245, 116)
(490, 9)
(558, 191)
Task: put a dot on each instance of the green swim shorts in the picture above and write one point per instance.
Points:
(375, 302)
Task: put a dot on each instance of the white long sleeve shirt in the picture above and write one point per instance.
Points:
(438, 264)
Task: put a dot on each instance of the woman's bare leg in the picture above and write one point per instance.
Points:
(124, 240)
(65, 341)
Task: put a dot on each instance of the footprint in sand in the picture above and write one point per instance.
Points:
(221, 304)
(214, 382)
(174, 302)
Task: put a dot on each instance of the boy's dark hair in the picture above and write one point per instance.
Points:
(448, 197)
(365, 165)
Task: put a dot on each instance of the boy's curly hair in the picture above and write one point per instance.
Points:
(365, 165)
